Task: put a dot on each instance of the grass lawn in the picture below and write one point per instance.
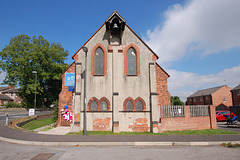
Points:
(38, 123)
(46, 129)
(186, 132)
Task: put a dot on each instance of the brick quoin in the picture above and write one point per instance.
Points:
(65, 98)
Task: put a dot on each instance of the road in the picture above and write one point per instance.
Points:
(10, 151)
(15, 152)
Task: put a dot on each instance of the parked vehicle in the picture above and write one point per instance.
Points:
(221, 115)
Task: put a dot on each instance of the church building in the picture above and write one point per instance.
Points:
(114, 76)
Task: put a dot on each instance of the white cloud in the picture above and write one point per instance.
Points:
(206, 26)
(183, 84)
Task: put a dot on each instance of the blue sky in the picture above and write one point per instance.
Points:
(197, 40)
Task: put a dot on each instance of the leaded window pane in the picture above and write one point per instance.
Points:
(131, 62)
(139, 106)
(129, 106)
(93, 106)
(104, 106)
(99, 62)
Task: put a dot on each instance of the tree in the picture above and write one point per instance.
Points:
(176, 100)
(22, 56)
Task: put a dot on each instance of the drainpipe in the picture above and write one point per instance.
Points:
(150, 97)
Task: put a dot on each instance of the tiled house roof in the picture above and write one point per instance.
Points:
(236, 88)
(205, 92)
(3, 88)
(10, 91)
(5, 97)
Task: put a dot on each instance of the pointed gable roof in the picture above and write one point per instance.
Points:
(236, 88)
(112, 16)
(205, 92)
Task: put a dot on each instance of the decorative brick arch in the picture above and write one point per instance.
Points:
(143, 103)
(108, 104)
(137, 56)
(125, 103)
(134, 102)
(90, 102)
(98, 103)
(93, 58)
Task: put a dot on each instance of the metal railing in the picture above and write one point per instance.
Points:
(199, 110)
(172, 111)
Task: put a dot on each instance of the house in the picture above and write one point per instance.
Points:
(218, 96)
(124, 84)
(236, 95)
(9, 94)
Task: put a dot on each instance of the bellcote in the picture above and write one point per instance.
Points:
(115, 25)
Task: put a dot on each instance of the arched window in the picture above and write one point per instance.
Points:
(93, 106)
(139, 106)
(104, 106)
(129, 106)
(99, 62)
(99, 105)
(131, 62)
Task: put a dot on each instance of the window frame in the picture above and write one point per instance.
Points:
(132, 45)
(238, 93)
(99, 45)
(98, 104)
(134, 102)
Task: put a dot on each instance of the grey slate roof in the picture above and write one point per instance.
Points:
(5, 97)
(236, 88)
(205, 92)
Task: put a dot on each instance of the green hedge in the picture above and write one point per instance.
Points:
(13, 105)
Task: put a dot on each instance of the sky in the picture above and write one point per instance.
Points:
(197, 41)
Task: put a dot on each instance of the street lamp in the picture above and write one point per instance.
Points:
(35, 100)
(85, 49)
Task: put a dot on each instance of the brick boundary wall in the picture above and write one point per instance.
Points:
(65, 98)
(189, 123)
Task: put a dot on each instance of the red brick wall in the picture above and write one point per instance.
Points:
(236, 98)
(162, 90)
(65, 98)
(189, 123)
(217, 97)
(205, 101)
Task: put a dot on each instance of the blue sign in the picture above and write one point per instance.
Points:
(69, 79)
(70, 88)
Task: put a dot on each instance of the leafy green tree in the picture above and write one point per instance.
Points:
(22, 56)
(175, 100)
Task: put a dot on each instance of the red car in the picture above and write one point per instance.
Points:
(221, 115)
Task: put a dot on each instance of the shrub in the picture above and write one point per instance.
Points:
(13, 105)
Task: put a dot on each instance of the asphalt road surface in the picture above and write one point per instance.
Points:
(16, 152)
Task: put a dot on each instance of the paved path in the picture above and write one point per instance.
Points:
(9, 133)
